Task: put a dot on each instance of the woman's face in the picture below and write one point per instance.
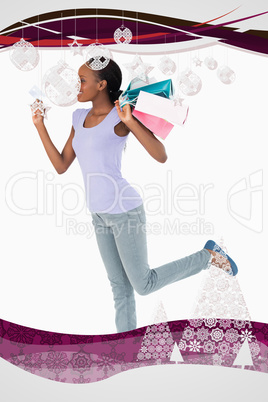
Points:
(90, 85)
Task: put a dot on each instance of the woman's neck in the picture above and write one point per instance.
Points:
(102, 106)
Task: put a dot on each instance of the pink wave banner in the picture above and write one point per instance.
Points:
(80, 359)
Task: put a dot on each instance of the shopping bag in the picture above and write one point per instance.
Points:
(158, 126)
(162, 89)
(161, 107)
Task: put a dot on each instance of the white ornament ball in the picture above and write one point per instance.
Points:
(166, 65)
(226, 75)
(24, 55)
(189, 83)
(211, 63)
(100, 55)
(62, 84)
(122, 35)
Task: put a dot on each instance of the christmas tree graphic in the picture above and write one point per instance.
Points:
(220, 296)
(176, 354)
(244, 357)
(157, 344)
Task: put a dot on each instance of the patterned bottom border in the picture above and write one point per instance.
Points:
(80, 359)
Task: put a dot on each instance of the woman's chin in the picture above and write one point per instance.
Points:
(80, 99)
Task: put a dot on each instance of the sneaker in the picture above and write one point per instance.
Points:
(220, 259)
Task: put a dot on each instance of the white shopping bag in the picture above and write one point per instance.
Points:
(161, 107)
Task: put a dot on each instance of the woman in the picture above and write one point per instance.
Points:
(97, 138)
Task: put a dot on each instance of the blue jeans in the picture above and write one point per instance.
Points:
(122, 242)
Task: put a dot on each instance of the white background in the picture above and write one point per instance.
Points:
(56, 281)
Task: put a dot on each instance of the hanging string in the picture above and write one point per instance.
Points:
(40, 69)
(137, 27)
(75, 24)
(61, 35)
(190, 59)
(178, 63)
(210, 51)
(22, 29)
(96, 26)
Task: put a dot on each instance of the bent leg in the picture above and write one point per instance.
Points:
(131, 242)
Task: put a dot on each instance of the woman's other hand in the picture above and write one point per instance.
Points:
(125, 114)
(37, 115)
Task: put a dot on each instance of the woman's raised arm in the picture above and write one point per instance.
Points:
(149, 141)
(60, 161)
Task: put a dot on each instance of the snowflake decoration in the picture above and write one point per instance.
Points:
(240, 324)
(217, 334)
(231, 335)
(100, 54)
(188, 334)
(190, 83)
(226, 75)
(122, 35)
(225, 323)
(166, 65)
(197, 61)
(24, 55)
(38, 107)
(196, 322)
(194, 346)
(211, 63)
(222, 285)
(223, 347)
(76, 48)
(62, 84)
(236, 348)
(138, 69)
(209, 347)
(210, 322)
(202, 334)
(246, 335)
(254, 349)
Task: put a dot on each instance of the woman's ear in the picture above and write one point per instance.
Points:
(102, 85)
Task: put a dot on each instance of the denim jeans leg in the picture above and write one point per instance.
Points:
(123, 247)
(131, 243)
(123, 293)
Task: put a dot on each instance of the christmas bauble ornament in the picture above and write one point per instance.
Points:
(166, 65)
(189, 83)
(24, 55)
(61, 84)
(100, 55)
(211, 63)
(122, 35)
(226, 75)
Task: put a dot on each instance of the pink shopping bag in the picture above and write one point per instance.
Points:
(161, 107)
(158, 126)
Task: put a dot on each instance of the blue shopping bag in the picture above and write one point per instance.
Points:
(162, 88)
